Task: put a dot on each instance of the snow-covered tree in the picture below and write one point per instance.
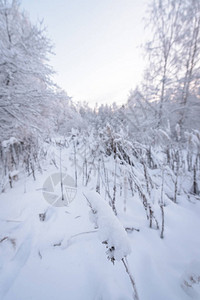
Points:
(164, 19)
(190, 71)
(172, 78)
(25, 76)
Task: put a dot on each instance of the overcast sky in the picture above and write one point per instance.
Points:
(97, 55)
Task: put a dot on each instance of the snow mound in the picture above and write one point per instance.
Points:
(110, 230)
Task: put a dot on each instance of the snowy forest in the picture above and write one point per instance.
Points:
(101, 203)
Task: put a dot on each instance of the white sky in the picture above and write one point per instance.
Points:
(96, 45)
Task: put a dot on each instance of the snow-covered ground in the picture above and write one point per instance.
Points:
(63, 257)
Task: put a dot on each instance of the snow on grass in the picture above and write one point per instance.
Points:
(62, 258)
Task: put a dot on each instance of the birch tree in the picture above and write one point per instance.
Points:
(190, 52)
(164, 20)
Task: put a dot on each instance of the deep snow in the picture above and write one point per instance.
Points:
(62, 257)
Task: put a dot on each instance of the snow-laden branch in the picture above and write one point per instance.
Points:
(110, 230)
